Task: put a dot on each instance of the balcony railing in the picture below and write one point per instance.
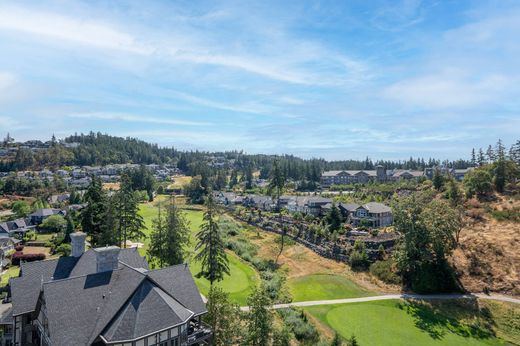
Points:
(198, 332)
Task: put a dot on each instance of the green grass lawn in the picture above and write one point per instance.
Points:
(398, 323)
(243, 277)
(324, 286)
(11, 272)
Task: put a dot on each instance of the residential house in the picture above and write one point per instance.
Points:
(315, 205)
(16, 228)
(7, 245)
(57, 199)
(41, 214)
(265, 203)
(375, 214)
(105, 296)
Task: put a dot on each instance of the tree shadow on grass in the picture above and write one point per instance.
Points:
(461, 317)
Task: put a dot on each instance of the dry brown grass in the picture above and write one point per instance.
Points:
(111, 186)
(489, 253)
(27, 250)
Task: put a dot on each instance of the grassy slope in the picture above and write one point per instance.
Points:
(243, 276)
(309, 276)
(396, 323)
(324, 286)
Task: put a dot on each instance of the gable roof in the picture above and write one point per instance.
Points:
(25, 289)
(83, 305)
(138, 317)
(377, 208)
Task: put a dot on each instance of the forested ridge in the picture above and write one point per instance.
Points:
(103, 149)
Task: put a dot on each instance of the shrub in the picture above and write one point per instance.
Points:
(475, 214)
(64, 249)
(358, 257)
(19, 247)
(297, 322)
(20, 256)
(384, 271)
(507, 214)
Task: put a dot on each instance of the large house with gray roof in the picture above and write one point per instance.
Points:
(105, 296)
(373, 213)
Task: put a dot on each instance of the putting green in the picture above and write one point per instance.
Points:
(324, 286)
(394, 323)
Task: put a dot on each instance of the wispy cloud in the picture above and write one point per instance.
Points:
(73, 30)
(137, 118)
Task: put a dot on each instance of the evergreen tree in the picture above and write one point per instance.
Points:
(438, 180)
(352, 341)
(281, 337)
(69, 229)
(260, 319)
(110, 228)
(92, 216)
(234, 179)
(222, 317)
(276, 182)
(481, 160)
(336, 341)
(131, 223)
(514, 152)
(473, 158)
(170, 236)
(454, 194)
(500, 175)
(490, 153)
(211, 247)
(334, 218)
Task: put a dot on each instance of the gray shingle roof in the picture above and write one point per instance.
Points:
(26, 288)
(178, 282)
(79, 308)
(138, 317)
(377, 208)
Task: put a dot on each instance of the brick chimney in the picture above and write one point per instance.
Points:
(78, 243)
(107, 258)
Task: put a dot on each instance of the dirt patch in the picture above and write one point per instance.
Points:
(36, 250)
(489, 253)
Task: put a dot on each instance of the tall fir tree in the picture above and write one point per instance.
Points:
(481, 160)
(130, 222)
(210, 246)
(260, 319)
(170, 236)
(438, 179)
(473, 158)
(92, 216)
(222, 317)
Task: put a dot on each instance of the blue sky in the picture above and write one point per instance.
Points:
(333, 79)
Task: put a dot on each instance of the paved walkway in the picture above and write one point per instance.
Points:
(496, 297)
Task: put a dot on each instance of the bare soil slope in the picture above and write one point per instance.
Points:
(489, 253)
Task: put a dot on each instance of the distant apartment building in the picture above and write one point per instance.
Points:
(379, 174)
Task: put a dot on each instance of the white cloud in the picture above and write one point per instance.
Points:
(7, 80)
(137, 118)
(74, 30)
(448, 89)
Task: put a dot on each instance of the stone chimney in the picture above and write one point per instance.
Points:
(107, 258)
(78, 243)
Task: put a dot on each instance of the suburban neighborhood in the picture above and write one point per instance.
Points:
(259, 173)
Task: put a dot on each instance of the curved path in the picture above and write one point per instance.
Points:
(496, 297)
